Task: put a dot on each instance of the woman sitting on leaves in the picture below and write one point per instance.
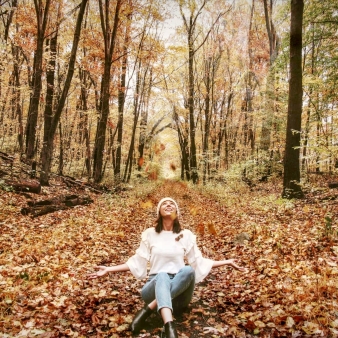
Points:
(170, 283)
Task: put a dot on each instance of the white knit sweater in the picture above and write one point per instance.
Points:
(166, 252)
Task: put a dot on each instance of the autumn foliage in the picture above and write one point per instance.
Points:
(290, 249)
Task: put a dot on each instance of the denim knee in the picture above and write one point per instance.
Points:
(188, 271)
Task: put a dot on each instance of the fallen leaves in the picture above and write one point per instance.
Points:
(290, 289)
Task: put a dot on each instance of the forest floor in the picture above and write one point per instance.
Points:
(289, 247)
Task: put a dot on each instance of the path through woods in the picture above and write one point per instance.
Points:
(289, 247)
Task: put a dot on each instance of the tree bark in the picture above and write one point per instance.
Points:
(193, 157)
(44, 207)
(46, 154)
(51, 123)
(138, 98)
(109, 37)
(270, 85)
(143, 125)
(25, 186)
(291, 182)
(251, 83)
(207, 115)
(84, 132)
(42, 15)
(121, 101)
(17, 109)
(190, 26)
(7, 20)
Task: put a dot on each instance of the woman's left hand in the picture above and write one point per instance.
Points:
(232, 262)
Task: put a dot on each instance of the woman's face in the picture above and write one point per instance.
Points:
(168, 208)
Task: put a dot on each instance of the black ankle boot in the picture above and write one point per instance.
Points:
(140, 318)
(170, 330)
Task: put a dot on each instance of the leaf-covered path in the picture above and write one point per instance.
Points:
(289, 248)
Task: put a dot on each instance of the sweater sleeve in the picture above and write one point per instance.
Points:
(201, 265)
(138, 263)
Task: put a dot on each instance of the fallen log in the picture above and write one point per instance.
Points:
(2, 173)
(7, 158)
(333, 185)
(44, 207)
(70, 182)
(25, 186)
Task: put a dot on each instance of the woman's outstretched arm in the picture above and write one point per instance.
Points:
(230, 262)
(103, 270)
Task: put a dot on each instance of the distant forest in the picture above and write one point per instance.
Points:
(107, 91)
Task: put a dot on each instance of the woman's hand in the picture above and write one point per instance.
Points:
(102, 271)
(232, 262)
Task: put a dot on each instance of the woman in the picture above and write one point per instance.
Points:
(170, 283)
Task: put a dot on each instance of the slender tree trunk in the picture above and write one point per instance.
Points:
(308, 115)
(138, 97)
(52, 122)
(207, 114)
(221, 132)
(109, 42)
(318, 142)
(85, 86)
(141, 102)
(121, 101)
(143, 125)
(42, 15)
(184, 146)
(7, 19)
(60, 168)
(268, 118)
(47, 148)
(192, 131)
(291, 183)
(249, 138)
(17, 96)
(225, 134)
(85, 135)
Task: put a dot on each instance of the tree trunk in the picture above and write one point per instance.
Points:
(270, 85)
(143, 125)
(121, 101)
(109, 47)
(207, 117)
(17, 96)
(220, 133)
(60, 168)
(138, 98)
(7, 23)
(25, 186)
(83, 107)
(46, 154)
(52, 122)
(291, 183)
(184, 146)
(249, 139)
(190, 26)
(42, 14)
(44, 207)
(85, 135)
(192, 131)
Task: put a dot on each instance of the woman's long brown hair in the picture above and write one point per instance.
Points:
(159, 225)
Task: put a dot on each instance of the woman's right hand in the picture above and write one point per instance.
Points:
(101, 272)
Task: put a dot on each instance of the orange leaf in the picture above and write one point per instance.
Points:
(200, 229)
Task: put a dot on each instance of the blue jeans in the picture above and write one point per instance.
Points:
(173, 291)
